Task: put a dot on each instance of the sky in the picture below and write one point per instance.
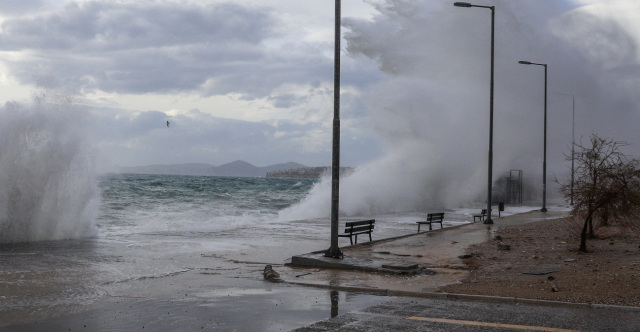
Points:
(250, 80)
(253, 80)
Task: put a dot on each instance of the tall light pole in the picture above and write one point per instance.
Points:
(573, 141)
(544, 162)
(334, 250)
(490, 171)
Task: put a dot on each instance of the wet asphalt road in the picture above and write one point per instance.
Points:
(415, 314)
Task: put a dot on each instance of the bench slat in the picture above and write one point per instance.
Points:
(359, 229)
(358, 223)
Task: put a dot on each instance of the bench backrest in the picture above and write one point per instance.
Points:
(484, 211)
(435, 216)
(359, 226)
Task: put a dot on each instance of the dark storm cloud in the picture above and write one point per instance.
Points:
(157, 47)
(100, 27)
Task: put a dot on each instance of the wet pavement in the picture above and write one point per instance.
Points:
(415, 264)
(414, 267)
(419, 314)
(197, 300)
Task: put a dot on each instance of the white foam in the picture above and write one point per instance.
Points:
(48, 189)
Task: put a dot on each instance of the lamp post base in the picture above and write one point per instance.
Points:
(544, 209)
(488, 221)
(334, 253)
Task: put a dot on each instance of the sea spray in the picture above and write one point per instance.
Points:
(48, 189)
(388, 185)
(431, 110)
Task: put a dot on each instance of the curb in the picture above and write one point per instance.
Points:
(468, 297)
(378, 241)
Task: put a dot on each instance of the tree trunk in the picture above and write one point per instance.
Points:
(591, 233)
(589, 221)
(583, 235)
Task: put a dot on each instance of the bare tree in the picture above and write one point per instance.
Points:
(606, 185)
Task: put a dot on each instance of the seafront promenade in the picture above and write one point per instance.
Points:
(410, 270)
(415, 264)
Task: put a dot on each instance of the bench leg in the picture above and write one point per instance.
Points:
(370, 239)
(418, 228)
(430, 227)
(356, 238)
(351, 239)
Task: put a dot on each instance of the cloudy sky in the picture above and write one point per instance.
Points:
(245, 79)
(253, 80)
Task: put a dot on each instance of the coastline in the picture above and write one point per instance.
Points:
(216, 291)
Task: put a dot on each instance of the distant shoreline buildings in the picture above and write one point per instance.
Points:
(307, 172)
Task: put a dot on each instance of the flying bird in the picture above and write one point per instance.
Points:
(168, 123)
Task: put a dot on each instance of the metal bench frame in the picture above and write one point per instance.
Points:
(432, 218)
(481, 216)
(355, 228)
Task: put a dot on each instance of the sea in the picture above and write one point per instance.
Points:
(201, 241)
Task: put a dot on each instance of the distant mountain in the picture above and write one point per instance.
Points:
(236, 168)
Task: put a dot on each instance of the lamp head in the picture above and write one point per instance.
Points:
(462, 4)
(525, 62)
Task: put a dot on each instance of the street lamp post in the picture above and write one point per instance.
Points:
(334, 250)
(573, 140)
(544, 162)
(490, 170)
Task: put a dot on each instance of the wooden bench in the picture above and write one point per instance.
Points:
(480, 216)
(355, 228)
(432, 218)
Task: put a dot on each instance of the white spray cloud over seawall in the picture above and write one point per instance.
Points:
(48, 190)
(430, 113)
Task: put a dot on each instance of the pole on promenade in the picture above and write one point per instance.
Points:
(334, 250)
(544, 161)
(490, 158)
(573, 141)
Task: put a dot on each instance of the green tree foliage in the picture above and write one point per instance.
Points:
(606, 186)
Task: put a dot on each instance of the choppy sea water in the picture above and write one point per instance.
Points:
(234, 218)
(161, 227)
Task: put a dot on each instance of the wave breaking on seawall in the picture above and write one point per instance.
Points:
(48, 187)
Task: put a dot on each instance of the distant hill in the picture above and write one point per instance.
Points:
(236, 168)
